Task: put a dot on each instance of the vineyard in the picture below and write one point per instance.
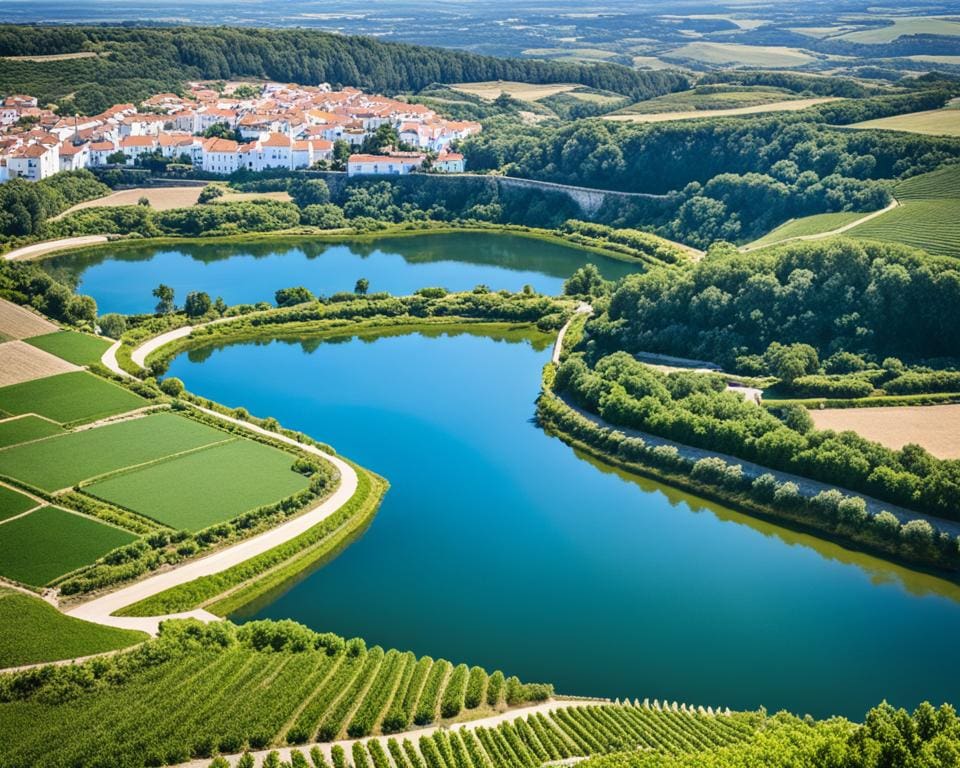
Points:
(201, 690)
(928, 217)
(532, 740)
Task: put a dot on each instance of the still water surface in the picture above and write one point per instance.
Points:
(499, 545)
(122, 279)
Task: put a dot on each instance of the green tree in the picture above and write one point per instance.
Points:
(197, 303)
(341, 153)
(117, 158)
(164, 295)
(288, 297)
(172, 386)
(113, 325)
(586, 281)
(361, 287)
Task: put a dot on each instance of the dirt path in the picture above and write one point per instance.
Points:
(49, 246)
(582, 309)
(751, 470)
(831, 233)
(100, 609)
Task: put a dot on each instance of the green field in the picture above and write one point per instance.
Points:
(928, 217)
(808, 225)
(210, 486)
(13, 503)
(72, 346)
(60, 462)
(33, 631)
(904, 25)
(39, 547)
(70, 397)
(706, 98)
(736, 54)
(25, 428)
(934, 122)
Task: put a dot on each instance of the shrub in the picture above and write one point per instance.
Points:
(495, 688)
(452, 701)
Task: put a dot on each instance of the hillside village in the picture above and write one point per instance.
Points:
(237, 126)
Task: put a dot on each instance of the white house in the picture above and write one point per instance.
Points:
(305, 153)
(34, 161)
(221, 156)
(449, 162)
(384, 164)
(136, 146)
(74, 155)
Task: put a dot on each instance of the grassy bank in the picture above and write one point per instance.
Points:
(380, 327)
(406, 229)
(230, 589)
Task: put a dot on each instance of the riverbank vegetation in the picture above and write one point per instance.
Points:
(320, 687)
(888, 737)
(831, 512)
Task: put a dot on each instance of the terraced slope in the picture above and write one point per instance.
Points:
(928, 217)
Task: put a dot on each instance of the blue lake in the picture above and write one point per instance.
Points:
(501, 546)
(122, 277)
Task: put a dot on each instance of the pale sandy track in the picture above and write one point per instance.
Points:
(49, 246)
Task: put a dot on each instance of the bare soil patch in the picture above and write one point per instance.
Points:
(17, 322)
(21, 362)
(935, 427)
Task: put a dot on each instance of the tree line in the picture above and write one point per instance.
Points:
(171, 55)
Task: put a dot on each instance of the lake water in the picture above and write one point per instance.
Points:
(122, 279)
(499, 545)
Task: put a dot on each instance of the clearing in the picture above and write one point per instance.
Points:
(737, 54)
(33, 631)
(14, 503)
(933, 122)
(54, 56)
(73, 346)
(20, 362)
(935, 427)
(790, 105)
(37, 548)
(17, 322)
(74, 397)
(20, 429)
(161, 198)
(709, 98)
(807, 226)
(61, 462)
(928, 216)
(522, 91)
(903, 25)
(199, 489)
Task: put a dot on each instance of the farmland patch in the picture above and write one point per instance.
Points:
(37, 548)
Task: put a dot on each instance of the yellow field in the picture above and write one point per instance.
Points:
(777, 106)
(161, 198)
(236, 197)
(54, 56)
(906, 25)
(935, 427)
(934, 122)
(650, 62)
(19, 323)
(744, 55)
(21, 362)
(523, 91)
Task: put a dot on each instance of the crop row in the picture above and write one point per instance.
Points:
(564, 733)
(199, 691)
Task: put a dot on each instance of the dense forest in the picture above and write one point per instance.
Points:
(840, 296)
(137, 61)
(728, 178)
